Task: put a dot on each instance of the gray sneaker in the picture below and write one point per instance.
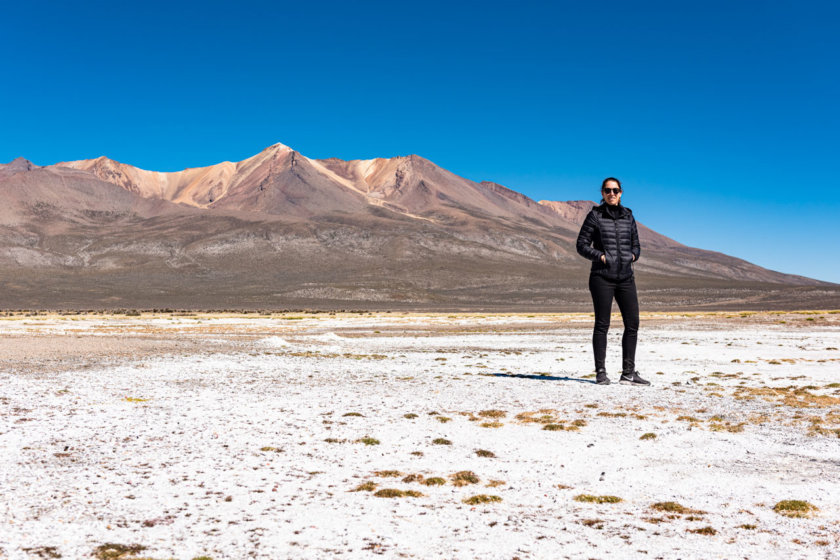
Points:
(632, 379)
(601, 377)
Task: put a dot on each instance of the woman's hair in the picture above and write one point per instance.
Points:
(608, 179)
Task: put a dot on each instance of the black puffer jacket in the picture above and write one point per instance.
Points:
(610, 231)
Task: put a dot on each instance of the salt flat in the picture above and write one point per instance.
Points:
(249, 437)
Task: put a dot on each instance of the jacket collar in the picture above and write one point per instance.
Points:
(604, 212)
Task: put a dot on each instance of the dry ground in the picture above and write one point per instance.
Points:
(406, 435)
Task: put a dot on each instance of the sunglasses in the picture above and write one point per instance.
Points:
(608, 190)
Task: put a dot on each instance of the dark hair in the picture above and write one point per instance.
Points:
(608, 179)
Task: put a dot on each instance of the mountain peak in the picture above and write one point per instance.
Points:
(278, 147)
(17, 165)
(20, 163)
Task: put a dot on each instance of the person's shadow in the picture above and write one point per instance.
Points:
(541, 377)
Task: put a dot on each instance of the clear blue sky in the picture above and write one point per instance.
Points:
(720, 117)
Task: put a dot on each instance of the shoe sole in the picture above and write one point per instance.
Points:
(626, 382)
(602, 382)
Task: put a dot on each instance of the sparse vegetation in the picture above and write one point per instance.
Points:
(554, 427)
(727, 427)
(704, 531)
(367, 440)
(674, 507)
(113, 551)
(367, 486)
(491, 424)
(589, 498)
(410, 416)
(353, 414)
(795, 508)
(649, 435)
(396, 493)
(492, 413)
(268, 448)
(434, 481)
(441, 441)
(484, 453)
(387, 474)
(443, 419)
(481, 499)
(463, 478)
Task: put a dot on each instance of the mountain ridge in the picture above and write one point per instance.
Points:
(330, 228)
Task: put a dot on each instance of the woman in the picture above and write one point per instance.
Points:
(610, 240)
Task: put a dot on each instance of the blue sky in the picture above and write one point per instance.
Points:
(721, 118)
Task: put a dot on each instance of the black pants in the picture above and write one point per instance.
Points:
(624, 291)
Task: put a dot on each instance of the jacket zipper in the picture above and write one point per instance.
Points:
(617, 246)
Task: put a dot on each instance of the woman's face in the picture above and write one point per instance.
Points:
(611, 193)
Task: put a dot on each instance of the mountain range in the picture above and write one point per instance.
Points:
(280, 230)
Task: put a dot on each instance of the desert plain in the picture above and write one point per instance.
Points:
(405, 435)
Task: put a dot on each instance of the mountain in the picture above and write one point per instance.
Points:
(282, 230)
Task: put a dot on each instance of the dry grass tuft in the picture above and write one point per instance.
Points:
(396, 493)
(495, 483)
(491, 424)
(727, 427)
(414, 478)
(649, 435)
(704, 531)
(366, 486)
(484, 453)
(589, 498)
(554, 427)
(463, 478)
(367, 440)
(113, 551)
(674, 507)
(441, 441)
(492, 413)
(434, 481)
(481, 499)
(386, 474)
(795, 508)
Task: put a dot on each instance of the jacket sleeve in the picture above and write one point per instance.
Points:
(584, 240)
(635, 247)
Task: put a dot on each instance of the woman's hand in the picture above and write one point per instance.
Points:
(604, 259)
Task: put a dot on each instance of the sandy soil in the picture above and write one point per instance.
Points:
(245, 437)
